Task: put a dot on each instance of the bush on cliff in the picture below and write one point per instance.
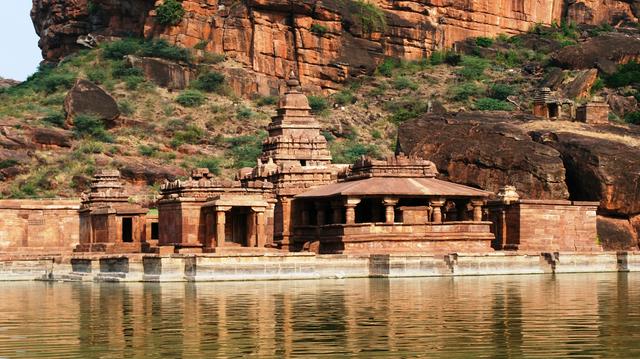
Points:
(209, 82)
(318, 104)
(191, 98)
(116, 50)
(85, 126)
(164, 50)
(244, 150)
(491, 104)
(170, 13)
(473, 68)
(501, 91)
(627, 74)
(350, 151)
(371, 17)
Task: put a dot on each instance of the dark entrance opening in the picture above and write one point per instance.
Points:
(127, 230)
(155, 231)
(554, 110)
(237, 226)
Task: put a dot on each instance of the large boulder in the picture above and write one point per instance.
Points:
(164, 73)
(51, 137)
(602, 169)
(485, 150)
(616, 234)
(149, 173)
(596, 12)
(581, 86)
(622, 105)
(5, 83)
(615, 47)
(87, 98)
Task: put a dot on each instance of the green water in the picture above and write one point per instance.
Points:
(588, 315)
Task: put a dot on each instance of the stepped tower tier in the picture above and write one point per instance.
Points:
(294, 134)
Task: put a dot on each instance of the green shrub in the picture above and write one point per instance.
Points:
(244, 113)
(244, 150)
(56, 99)
(267, 101)
(191, 134)
(484, 41)
(213, 164)
(147, 151)
(318, 29)
(437, 58)
(170, 13)
(328, 136)
(213, 58)
(8, 163)
(500, 91)
(318, 103)
(633, 118)
(121, 70)
(627, 74)
(344, 97)
(162, 49)
(371, 17)
(209, 82)
(597, 85)
(387, 66)
(116, 50)
(473, 68)
(408, 109)
(350, 151)
(463, 91)
(491, 104)
(126, 107)
(191, 98)
(97, 75)
(509, 58)
(85, 126)
(50, 81)
(133, 82)
(401, 83)
(201, 45)
(56, 119)
(452, 58)
(376, 134)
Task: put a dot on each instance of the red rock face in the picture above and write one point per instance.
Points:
(272, 37)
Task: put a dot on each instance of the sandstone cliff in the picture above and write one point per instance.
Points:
(326, 41)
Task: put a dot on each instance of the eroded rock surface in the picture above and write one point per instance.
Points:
(556, 161)
(610, 47)
(486, 151)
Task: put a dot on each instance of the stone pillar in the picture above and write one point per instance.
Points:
(350, 204)
(286, 223)
(261, 237)
(437, 204)
(477, 209)
(252, 232)
(336, 208)
(389, 209)
(320, 215)
(221, 221)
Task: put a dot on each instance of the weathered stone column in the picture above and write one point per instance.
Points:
(477, 209)
(261, 238)
(320, 215)
(350, 204)
(389, 209)
(437, 204)
(221, 220)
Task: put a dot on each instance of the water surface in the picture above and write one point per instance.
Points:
(586, 315)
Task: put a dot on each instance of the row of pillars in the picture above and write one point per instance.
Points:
(350, 204)
(257, 226)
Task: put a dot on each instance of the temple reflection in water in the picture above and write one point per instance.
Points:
(510, 316)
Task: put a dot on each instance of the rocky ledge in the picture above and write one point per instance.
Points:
(543, 159)
(325, 41)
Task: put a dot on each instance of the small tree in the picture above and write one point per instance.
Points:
(170, 13)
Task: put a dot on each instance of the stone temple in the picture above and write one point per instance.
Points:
(295, 199)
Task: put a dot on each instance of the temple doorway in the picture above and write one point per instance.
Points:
(237, 228)
(127, 229)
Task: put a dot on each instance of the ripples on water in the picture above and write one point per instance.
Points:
(589, 315)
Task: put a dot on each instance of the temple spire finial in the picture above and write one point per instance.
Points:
(293, 84)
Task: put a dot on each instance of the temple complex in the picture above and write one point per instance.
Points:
(295, 199)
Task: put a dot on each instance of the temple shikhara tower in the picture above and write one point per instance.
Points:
(296, 199)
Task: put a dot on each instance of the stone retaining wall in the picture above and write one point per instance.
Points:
(200, 268)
